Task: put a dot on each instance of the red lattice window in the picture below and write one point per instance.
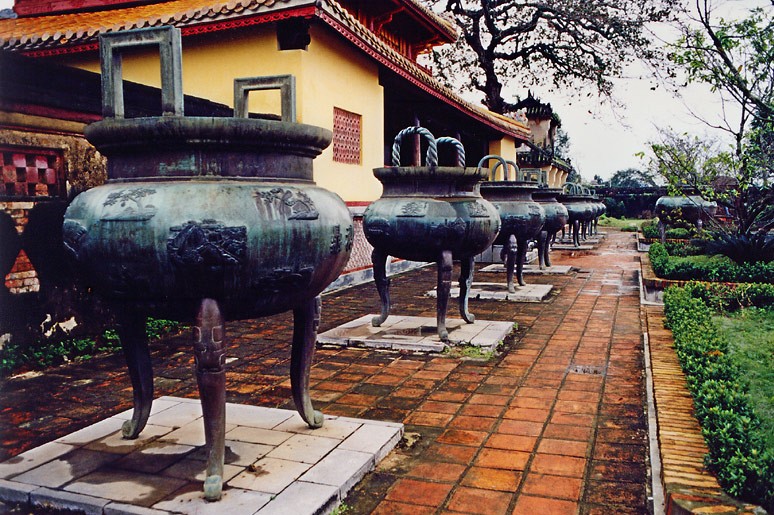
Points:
(31, 173)
(347, 128)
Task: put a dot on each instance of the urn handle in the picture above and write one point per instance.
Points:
(111, 45)
(446, 140)
(500, 162)
(285, 83)
(431, 158)
(571, 188)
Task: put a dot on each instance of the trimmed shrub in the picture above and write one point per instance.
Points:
(707, 268)
(737, 451)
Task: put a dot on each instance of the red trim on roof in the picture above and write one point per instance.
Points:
(188, 30)
(50, 112)
(341, 29)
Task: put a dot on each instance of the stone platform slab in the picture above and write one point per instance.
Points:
(499, 291)
(531, 269)
(274, 463)
(570, 246)
(417, 334)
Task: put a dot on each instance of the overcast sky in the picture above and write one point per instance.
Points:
(605, 138)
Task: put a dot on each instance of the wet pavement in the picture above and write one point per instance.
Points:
(554, 422)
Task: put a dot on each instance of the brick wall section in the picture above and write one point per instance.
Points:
(22, 278)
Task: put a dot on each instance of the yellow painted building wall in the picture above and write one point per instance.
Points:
(505, 147)
(330, 73)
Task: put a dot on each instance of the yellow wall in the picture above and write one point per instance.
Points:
(505, 147)
(330, 73)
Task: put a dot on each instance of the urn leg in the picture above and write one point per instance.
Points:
(210, 353)
(584, 228)
(575, 233)
(662, 231)
(444, 289)
(542, 249)
(510, 262)
(547, 250)
(306, 318)
(521, 257)
(134, 341)
(379, 259)
(466, 280)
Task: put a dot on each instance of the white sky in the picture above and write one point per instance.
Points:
(605, 139)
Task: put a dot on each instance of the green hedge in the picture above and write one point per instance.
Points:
(707, 268)
(737, 451)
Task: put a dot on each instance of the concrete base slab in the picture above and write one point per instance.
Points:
(499, 291)
(531, 269)
(570, 246)
(418, 334)
(274, 463)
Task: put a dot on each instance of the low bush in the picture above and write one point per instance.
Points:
(45, 353)
(678, 233)
(707, 268)
(650, 230)
(737, 451)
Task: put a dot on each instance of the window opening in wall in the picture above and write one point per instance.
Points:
(347, 129)
(31, 173)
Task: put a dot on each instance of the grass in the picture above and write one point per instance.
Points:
(625, 224)
(750, 335)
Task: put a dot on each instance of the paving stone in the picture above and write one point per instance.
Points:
(373, 439)
(235, 501)
(154, 457)
(304, 448)
(333, 427)
(499, 291)
(118, 508)
(126, 486)
(93, 432)
(33, 458)
(531, 269)
(257, 435)
(115, 443)
(14, 492)
(256, 416)
(176, 416)
(269, 475)
(159, 405)
(193, 469)
(191, 434)
(60, 500)
(341, 468)
(66, 468)
(303, 497)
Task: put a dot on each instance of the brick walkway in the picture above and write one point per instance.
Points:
(555, 423)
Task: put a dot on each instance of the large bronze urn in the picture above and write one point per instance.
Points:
(429, 213)
(692, 209)
(521, 217)
(203, 220)
(577, 200)
(556, 218)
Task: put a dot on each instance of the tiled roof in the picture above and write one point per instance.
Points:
(47, 33)
(34, 32)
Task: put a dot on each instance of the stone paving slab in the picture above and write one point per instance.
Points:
(274, 463)
(570, 246)
(417, 334)
(499, 291)
(531, 269)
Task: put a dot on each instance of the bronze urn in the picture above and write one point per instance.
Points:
(430, 213)
(203, 220)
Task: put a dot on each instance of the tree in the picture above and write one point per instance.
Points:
(736, 58)
(559, 43)
(696, 165)
(632, 178)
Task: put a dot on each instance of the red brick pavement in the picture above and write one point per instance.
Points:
(554, 423)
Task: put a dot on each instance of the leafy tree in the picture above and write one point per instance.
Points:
(560, 43)
(632, 178)
(736, 58)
